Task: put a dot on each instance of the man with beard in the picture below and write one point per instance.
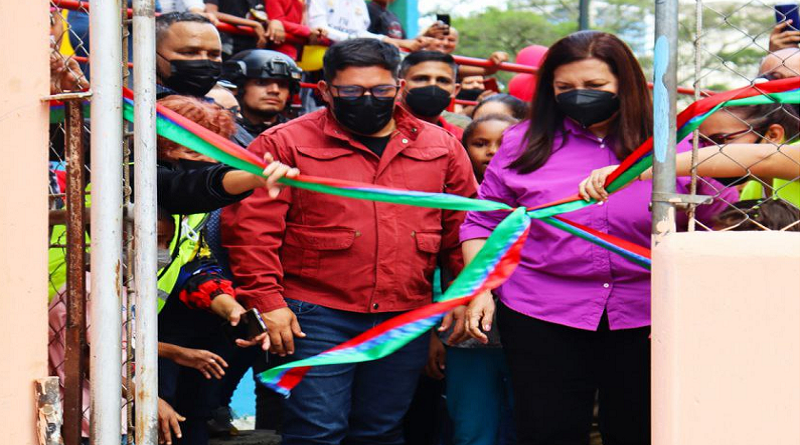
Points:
(265, 82)
(323, 269)
(430, 86)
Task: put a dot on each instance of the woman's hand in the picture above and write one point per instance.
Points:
(593, 187)
(480, 314)
(437, 356)
(168, 423)
(208, 363)
(274, 172)
(457, 319)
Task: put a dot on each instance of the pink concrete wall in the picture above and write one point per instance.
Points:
(726, 339)
(24, 80)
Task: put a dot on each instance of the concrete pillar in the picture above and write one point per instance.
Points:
(726, 339)
(24, 80)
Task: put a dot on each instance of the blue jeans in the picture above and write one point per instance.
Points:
(479, 396)
(361, 403)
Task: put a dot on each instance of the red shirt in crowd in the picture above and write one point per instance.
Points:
(342, 253)
(290, 13)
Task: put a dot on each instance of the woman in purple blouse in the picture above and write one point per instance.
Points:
(574, 317)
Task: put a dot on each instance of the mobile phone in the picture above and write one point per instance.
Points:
(250, 325)
(788, 12)
(444, 18)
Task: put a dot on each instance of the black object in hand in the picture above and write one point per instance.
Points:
(250, 325)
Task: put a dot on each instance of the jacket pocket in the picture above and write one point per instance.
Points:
(324, 153)
(423, 255)
(428, 242)
(300, 307)
(424, 168)
(305, 246)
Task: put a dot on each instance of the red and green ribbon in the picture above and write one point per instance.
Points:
(502, 251)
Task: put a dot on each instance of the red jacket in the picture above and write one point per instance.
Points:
(290, 13)
(342, 253)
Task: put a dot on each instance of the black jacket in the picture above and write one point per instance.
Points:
(193, 187)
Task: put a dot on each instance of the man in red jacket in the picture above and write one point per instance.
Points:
(323, 269)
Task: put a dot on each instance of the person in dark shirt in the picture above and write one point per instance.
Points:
(383, 21)
(265, 81)
(430, 87)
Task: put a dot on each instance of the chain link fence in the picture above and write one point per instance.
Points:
(70, 333)
(735, 44)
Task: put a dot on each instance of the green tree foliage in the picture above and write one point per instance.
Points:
(507, 30)
(734, 36)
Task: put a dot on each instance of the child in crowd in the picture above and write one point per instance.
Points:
(478, 386)
(501, 103)
(482, 139)
(753, 214)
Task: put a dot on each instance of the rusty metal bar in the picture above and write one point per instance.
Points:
(75, 343)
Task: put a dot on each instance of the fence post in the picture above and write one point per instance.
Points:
(75, 342)
(144, 147)
(106, 216)
(665, 84)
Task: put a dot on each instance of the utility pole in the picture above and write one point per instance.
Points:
(583, 15)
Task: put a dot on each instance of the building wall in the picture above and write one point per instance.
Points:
(24, 80)
(726, 339)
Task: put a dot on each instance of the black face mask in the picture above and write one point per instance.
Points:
(193, 77)
(471, 94)
(365, 115)
(588, 107)
(427, 101)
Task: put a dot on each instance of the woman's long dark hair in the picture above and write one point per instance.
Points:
(634, 122)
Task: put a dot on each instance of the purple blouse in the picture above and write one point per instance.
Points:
(562, 278)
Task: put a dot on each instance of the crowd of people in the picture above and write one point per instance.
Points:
(524, 364)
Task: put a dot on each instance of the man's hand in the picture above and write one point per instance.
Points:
(780, 37)
(457, 319)
(168, 423)
(437, 357)
(480, 314)
(437, 30)
(409, 44)
(208, 363)
(275, 32)
(282, 327)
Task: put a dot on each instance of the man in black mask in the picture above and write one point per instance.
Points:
(322, 269)
(188, 54)
(430, 78)
(265, 83)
